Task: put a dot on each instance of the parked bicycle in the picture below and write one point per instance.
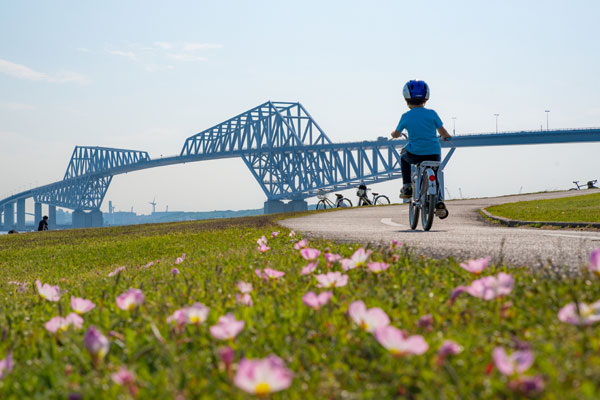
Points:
(363, 199)
(325, 203)
(589, 185)
(428, 192)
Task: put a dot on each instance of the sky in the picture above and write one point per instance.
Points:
(146, 75)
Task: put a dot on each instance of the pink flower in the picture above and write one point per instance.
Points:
(588, 314)
(274, 234)
(57, 324)
(310, 254)
(519, 361)
(527, 385)
(292, 234)
(398, 343)
(96, 343)
(269, 273)
(487, 288)
(48, 292)
(369, 320)
(263, 248)
(332, 279)
(309, 268)
(377, 267)
(243, 299)
(316, 302)
(301, 244)
(332, 258)
(116, 271)
(74, 320)
(425, 322)
(81, 306)
(130, 299)
(594, 265)
(449, 347)
(123, 376)
(6, 365)
(196, 314)
(174, 271)
(227, 327)
(358, 259)
(244, 287)
(261, 241)
(395, 243)
(179, 260)
(263, 376)
(151, 263)
(178, 318)
(476, 266)
(227, 355)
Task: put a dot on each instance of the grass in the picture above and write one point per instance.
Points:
(330, 356)
(584, 208)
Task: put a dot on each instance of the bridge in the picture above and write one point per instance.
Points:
(288, 154)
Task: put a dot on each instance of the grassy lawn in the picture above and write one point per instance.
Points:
(584, 208)
(328, 353)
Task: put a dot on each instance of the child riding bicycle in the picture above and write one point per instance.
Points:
(421, 124)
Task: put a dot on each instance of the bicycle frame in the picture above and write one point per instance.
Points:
(439, 175)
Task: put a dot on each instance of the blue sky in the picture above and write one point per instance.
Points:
(146, 75)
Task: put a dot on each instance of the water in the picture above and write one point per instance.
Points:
(3, 232)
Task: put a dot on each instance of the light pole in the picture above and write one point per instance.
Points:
(496, 115)
(547, 112)
(453, 126)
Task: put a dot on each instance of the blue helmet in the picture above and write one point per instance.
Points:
(416, 90)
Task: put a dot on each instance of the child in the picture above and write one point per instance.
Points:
(421, 124)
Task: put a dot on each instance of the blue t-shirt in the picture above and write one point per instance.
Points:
(421, 125)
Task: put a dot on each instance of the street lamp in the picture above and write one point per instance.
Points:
(547, 112)
(453, 126)
(496, 115)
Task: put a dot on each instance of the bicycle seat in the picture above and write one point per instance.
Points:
(375, 194)
(338, 195)
(433, 164)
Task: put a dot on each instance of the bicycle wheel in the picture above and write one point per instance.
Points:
(413, 215)
(381, 200)
(321, 205)
(427, 204)
(344, 203)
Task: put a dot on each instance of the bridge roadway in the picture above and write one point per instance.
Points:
(463, 235)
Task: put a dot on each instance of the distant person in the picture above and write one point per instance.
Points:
(43, 225)
(421, 124)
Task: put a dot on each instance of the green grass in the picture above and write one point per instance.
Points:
(330, 356)
(584, 208)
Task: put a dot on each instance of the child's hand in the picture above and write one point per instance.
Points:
(395, 134)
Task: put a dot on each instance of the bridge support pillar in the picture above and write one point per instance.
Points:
(51, 217)
(274, 206)
(91, 219)
(21, 215)
(9, 216)
(297, 205)
(37, 214)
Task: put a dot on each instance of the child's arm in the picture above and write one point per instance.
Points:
(444, 133)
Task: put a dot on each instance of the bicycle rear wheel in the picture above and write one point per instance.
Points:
(381, 200)
(321, 205)
(344, 203)
(427, 204)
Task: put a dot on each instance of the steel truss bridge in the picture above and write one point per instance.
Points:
(286, 151)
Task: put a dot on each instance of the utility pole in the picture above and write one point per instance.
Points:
(453, 126)
(547, 112)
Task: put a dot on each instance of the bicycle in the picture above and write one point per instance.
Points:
(324, 202)
(363, 199)
(428, 194)
(588, 185)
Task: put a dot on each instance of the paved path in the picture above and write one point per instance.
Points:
(463, 235)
